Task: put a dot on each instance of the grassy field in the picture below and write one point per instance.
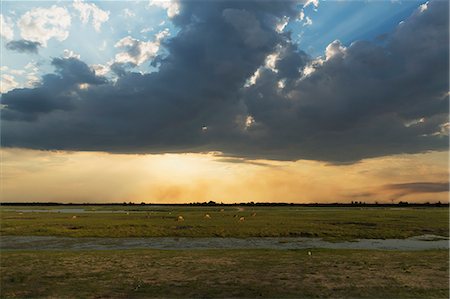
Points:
(328, 223)
(225, 273)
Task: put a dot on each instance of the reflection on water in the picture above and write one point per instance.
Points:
(74, 210)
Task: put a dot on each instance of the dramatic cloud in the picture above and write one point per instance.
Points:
(233, 81)
(6, 28)
(355, 103)
(41, 24)
(137, 52)
(397, 191)
(420, 187)
(56, 91)
(8, 83)
(90, 11)
(23, 46)
(100, 69)
(172, 6)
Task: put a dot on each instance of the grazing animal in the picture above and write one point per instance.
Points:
(207, 216)
(74, 217)
(222, 210)
(253, 214)
(242, 219)
(180, 219)
(309, 253)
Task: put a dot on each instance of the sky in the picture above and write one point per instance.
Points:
(230, 101)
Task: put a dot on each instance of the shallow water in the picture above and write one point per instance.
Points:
(73, 211)
(65, 243)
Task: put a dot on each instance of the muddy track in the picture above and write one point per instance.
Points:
(64, 243)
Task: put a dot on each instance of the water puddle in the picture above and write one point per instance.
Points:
(73, 211)
(64, 243)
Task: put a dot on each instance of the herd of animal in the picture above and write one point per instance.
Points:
(207, 216)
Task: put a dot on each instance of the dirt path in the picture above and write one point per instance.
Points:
(63, 243)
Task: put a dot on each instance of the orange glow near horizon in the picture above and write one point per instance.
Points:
(29, 176)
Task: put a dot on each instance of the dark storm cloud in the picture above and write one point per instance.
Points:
(244, 161)
(23, 46)
(364, 101)
(357, 102)
(56, 92)
(420, 187)
(72, 71)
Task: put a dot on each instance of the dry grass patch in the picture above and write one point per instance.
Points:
(225, 273)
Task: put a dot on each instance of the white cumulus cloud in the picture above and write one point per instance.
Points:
(70, 54)
(315, 3)
(137, 51)
(42, 24)
(100, 69)
(172, 6)
(7, 83)
(334, 49)
(91, 11)
(18, 78)
(6, 28)
(31, 74)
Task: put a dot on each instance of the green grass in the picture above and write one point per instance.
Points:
(225, 273)
(328, 223)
